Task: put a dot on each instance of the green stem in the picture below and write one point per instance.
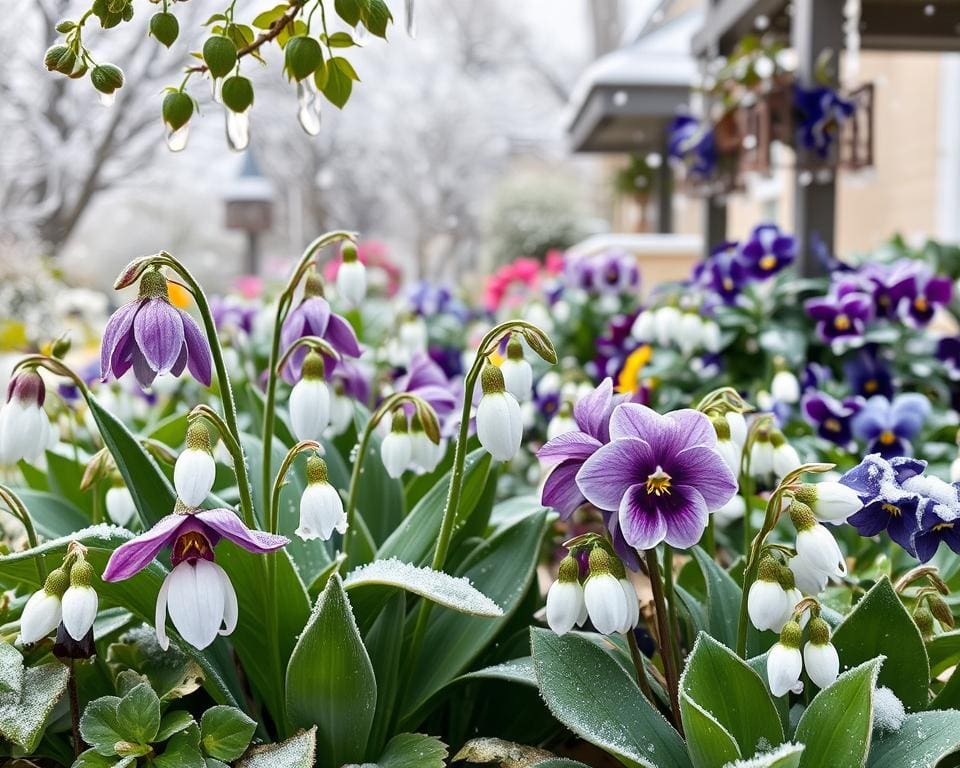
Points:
(670, 595)
(663, 636)
(638, 665)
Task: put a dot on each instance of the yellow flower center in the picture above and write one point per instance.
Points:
(871, 386)
(832, 425)
(841, 322)
(727, 283)
(888, 438)
(659, 482)
(891, 509)
(943, 526)
(768, 262)
(921, 304)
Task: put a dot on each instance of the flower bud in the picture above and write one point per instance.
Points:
(43, 611)
(80, 601)
(24, 427)
(565, 603)
(941, 611)
(604, 596)
(923, 618)
(195, 470)
(819, 656)
(499, 421)
(165, 28)
(540, 343)
(396, 450)
(106, 78)
(767, 600)
(121, 508)
(352, 280)
(830, 501)
(784, 662)
(517, 373)
(785, 456)
(310, 400)
(785, 388)
(59, 58)
(321, 508)
(220, 55)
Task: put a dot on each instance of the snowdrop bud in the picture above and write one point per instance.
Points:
(808, 579)
(413, 335)
(603, 595)
(644, 327)
(562, 422)
(24, 426)
(43, 611)
(819, 656)
(499, 422)
(310, 400)
(120, 506)
(517, 373)
(785, 456)
(738, 427)
(80, 601)
(321, 508)
(922, 617)
(195, 470)
(351, 277)
(785, 388)
(565, 603)
(941, 611)
(761, 457)
(729, 450)
(830, 501)
(767, 600)
(424, 453)
(815, 544)
(396, 450)
(784, 662)
(341, 411)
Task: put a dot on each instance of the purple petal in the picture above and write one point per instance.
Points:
(642, 525)
(704, 469)
(612, 469)
(158, 331)
(569, 445)
(939, 290)
(181, 362)
(341, 336)
(292, 327)
(316, 315)
(114, 335)
(561, 491)
(686, 522)
(231, 527)
(142, 370)
(625, 552)
(199, 357)
(423, 372)
(591, 412)
(695, 427)
(138, 553)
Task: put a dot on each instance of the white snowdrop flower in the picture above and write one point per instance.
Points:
(351, 277)
(44, 610)
(195, 470)
(549, 383)
(728, 448)
(396, 450)
(731, 511)
(562, 422)
(24, 426)
(785, 387)
(767, 601)
(809, 580)
(815, 544)
(499, 422)
(761, 457)
(820, 658)
(785, 456)
(711, 336)
(310, 400)
(412, 336)
(517, 373)
(341, 412)
(644, 328)
(565, 603)
(667, 325)
(321, 508)
(424, 453)
(603, 594)
(738, 427)
(80, 601)
(633, 604)
(784, 662)
(201, 601)
(689, 333)
(121, 508)
(831, 502)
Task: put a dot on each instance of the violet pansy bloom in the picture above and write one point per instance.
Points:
(661, 474)
(841, 316)
(924, 294)
(822, 112)
(425, 379)
(831, 417)
(948, 352)
(868, 374)
(767, 251)
(939, 522)
(723, 272)
(197, 592)
(153, 337)
(890, 425)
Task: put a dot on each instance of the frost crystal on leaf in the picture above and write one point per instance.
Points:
(768, 758)
(888, 711)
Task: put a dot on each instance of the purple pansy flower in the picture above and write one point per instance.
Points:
(722, 272)
(822, 112)
(830, 416)
(841, 316)
(197, 592)
(868, 374)
(693, 144)
(767, 251)
(948, 352)
(923, 294)
(153, 337)
(938, 521)
(425, 379)
(660, 474)
(889, 426)
(614, 272)
(814, 376)
(228, 312)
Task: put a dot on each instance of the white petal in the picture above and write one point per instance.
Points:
(822, 663)
(730, 452)
(500, 425)
(784, 666)
(565, 604)
(633, 605)
(196, 602)
(120, 506)
(193, 476)
(352, 282)
(40, 617)
(606, 603)
(230, 609)
(738, 427)
(766, 605)
(160, 613)
(785, 388)
(835, 501)
(396, 452)
(309, 409)
(785, 460)
(761, 459)
(518, 378)
(79, 611)
(809, 580)
(321, 510)
(820, 550)
(341, 413)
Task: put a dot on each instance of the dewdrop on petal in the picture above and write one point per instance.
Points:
(310, 400)
(321, 508)
(517, 373)
(396, 450)
(195, 470)
(499, 422)
(784, 662)
(565, 603)
(80, 601)
(603, 595)
(820, 658)
(351, 277)
(44, 610)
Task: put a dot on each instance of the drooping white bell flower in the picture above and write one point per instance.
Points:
(604, 596)
(820, 658)
(195, 470)
(201, 601)
(785, 388)
(396, 450)
(767, 601)
(44, 610)
(341, 411)
(517, 373)
(351, 277)
(728, 448)
(738, 427)
(831, 502)
(310, 400)
(815, 544)
(24, 426)
(785, 456)
(667, 321)
(633, 604)
(80, 601)
(562, 422)
(321, 508)
(711, 336)
(809, 580)
(689, 333)
(761, 456)
(644, 327)
(121, 508)
(424, 453)
(565, 603)
(499, 421)
(731, 511)
(784, 662)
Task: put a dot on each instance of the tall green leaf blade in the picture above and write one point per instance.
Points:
(922, 740)
(787, 756)
(596, 698)
(879, 625)
(723, 599)
(330, 680)
(709, 744)
(52, 515)
(836, 728)
(384, 644)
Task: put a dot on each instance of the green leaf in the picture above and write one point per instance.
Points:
(837, 725)
(376, 17)
(384, 644)
(920, 742)
(99, 725)
(514, 671)
(23, 716)
(173, 722)
(879, 625)
(723, 599)
(787, 756)
(710, 745)
(330, 681)
(11, 670)
(299, 751)
(346, 67)
(338, 85)
(340, 40)
(138, 714)
(594, 697)
(182, 751)
(265, 20)
(944, 651)
(348, 10)
(90, 759)
(720, 684)
(380, 497)
(413, 750)
(64, 475)
(52, 515)
(225, 732)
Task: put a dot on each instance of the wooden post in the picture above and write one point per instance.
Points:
(664, 194)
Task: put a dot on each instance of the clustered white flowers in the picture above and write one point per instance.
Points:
(67, 598)
(785, 663)
(669, 326)
(607, 596)
(407, 446)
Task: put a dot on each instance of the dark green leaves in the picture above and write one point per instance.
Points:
(880, 626)
(237, 93)
(335, 80)
(165, 28)
(24, 713)
(225, 732)
(302, 55)
(920, 742)
(413, 750)
(138, 714)
(330, 681)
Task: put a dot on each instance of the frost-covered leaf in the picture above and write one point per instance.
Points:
(920, 742)
(506, 754)
(413, 750)
(11, 669)
(442, 588)
(513, 671)
(23, 717)
(786, 756)
(298, 751)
